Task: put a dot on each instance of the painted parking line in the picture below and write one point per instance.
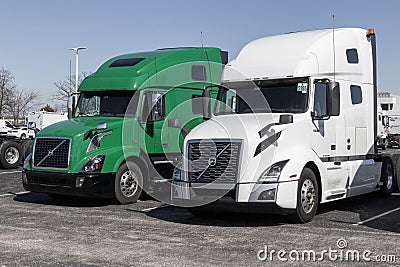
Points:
(14, 194)
(10, 172)
(377, 216)
(153, 208)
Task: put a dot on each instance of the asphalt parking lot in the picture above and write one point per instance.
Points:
(36, 230)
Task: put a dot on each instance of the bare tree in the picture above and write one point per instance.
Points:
(66, 87)
(21, 102)
(6, 89)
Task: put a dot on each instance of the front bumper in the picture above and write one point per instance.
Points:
(94, 185)
(247, 197)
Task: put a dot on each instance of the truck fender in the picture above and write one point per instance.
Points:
(139, 160)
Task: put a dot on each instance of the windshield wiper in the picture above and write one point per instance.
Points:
(83, 115)
(108, 114)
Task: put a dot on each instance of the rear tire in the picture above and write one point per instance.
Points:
(307, 198)
(128, 183)
(387, 178)
(396, 168)
(10, 155)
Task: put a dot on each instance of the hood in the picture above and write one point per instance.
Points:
(243, 126)
(258, 133)
(77, 127)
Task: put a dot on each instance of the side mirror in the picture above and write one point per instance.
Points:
(333, 93)
(72, 105)
(32, 125)
(206, 101)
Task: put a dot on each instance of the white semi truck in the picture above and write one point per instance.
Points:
(294, 125)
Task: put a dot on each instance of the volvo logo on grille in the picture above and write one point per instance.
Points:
(212, 161)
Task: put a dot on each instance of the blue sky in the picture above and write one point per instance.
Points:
(36, 35)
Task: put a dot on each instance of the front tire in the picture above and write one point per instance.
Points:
(128, 183)
(307, 198)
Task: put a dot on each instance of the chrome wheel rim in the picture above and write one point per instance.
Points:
(389, 174)
(129, 183)
(308, 196)
(11, 155)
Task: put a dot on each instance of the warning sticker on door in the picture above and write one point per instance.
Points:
(302, 87)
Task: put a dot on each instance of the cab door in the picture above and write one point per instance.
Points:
(152, 121)
(328, 139)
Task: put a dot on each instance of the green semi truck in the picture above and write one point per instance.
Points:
(126, 127)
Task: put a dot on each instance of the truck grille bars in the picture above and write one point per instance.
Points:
(213, 161)
(51, 153)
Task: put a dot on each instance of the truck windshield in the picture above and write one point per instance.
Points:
(276, 96)
(107, 103)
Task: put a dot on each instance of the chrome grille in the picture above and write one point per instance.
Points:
(51, 153)
(213, 161)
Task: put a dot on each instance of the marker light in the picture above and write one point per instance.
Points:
(370, 31)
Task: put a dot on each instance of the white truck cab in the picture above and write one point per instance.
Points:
(294, 125)
(5, 126)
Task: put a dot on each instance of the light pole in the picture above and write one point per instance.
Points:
(76, 49)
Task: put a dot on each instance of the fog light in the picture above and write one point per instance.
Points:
(267, 195)
(79, 182)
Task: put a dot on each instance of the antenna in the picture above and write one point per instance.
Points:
(201, 39)
(205, 52)
(334, 52)
(155, 66)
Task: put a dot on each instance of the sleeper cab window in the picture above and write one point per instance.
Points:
(356, 94)
(199, 73)
(352, 56)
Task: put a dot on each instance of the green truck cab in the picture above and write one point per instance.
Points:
(126, 130)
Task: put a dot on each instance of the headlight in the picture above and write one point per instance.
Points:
(94, 164)
(272, 173)
(27, 161)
